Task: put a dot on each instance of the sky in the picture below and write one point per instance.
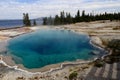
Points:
(14, 9)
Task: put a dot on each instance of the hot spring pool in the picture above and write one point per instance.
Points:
(44, 47)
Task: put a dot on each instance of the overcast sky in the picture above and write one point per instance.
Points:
(13, 9)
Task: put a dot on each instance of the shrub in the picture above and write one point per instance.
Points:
(98, 63)
(73, 75)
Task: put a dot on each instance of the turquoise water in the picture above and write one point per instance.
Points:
(44, 47)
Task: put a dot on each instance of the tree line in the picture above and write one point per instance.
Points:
(66, 18)
(27, 21)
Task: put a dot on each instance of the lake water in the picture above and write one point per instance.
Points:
(44, 47)
(15, 23)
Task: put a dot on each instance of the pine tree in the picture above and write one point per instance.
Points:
(83, 13)
(57, 20)
(83, 16)
(68, 19)
(62, 17)
(26, 20)
(34, 23)
(45, 21)
(77, 17)
(50, 21)
(28, 23)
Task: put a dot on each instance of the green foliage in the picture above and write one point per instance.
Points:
(68, 19)
(45, 21)
(26, 20)
(73, 75)
(112, 58)
(99, 63)
(114, 44)
(34, 23)
(62, 17)
(77, 17)
(57, 20)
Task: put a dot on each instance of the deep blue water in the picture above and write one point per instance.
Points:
(44, 47)
(15, 23)
(10, 23)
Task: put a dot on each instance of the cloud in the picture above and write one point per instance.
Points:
(13, 9)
